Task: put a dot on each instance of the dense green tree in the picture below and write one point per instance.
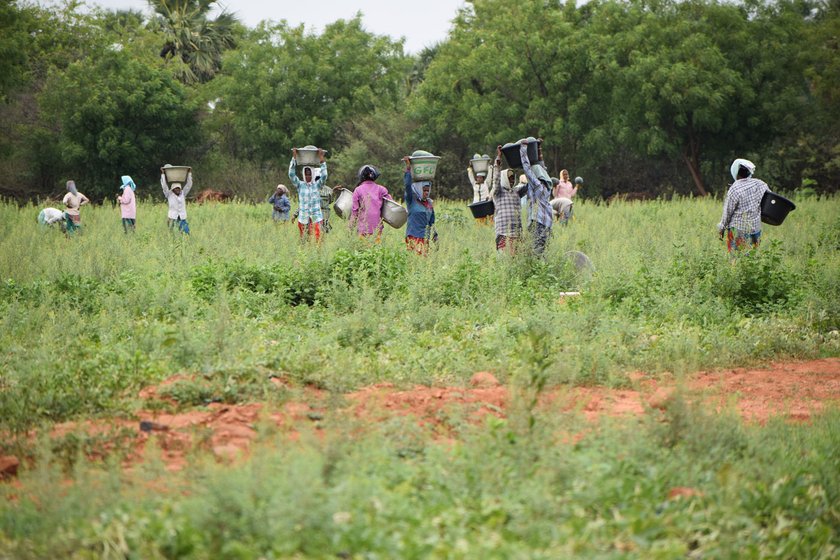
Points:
(117, 115)
(193, 40)
(13, 46)
(285, 87)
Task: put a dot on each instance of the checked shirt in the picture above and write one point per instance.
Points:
(508, 216)
(742, 206)
(309, 195)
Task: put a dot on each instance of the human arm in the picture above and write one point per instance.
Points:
(409, 192)
(83, 199)
(357, 196)
(164, 186)
(323, 180)
(188, 185)
(730, 204)
(293, 170)
(285, 205)
(273, 198)
(526, 165)
(496, 173)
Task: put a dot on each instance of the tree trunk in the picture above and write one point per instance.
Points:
(691, 155)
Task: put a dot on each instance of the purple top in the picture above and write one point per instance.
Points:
(367, 207)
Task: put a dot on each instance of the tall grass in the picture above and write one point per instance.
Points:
(87, 321)
(680, 485)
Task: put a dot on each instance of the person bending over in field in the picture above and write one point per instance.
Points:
(506, 195)
(51, 216)
(73, 200)
(368, 197)
(309, 215)
(539, 193)
(741, 220)
(421, 213)
(280, 204)
(177, 198)
(128, 203)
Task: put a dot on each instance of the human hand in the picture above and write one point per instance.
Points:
(407, 161)
(321, 155)
(294, 153)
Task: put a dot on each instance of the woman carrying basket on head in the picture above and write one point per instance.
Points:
(421, 213)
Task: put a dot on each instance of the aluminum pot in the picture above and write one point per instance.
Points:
(480, 164)
(175, 173)
(344, 204)
(308, 156)
(394, 214)
(423, 165)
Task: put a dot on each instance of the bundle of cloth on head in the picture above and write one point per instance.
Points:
(127, 181)
(542, 175)
(738, 164)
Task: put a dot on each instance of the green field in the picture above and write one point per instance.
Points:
(89, 321)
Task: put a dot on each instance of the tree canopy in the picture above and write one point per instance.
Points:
(634, 95)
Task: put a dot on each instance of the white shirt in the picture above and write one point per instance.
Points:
(480, 191)
(52, 215)
(177, 202)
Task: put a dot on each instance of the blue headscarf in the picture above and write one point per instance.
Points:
(128, 181)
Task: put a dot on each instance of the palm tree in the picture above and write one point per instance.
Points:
(192, 38)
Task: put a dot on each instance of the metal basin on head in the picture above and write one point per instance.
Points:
(175, 173)
(423, 165)
(308, 155)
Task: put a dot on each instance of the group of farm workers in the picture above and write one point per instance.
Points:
(70, 219)
(314, 199)
(548, 200)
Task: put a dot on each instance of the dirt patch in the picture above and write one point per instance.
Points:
(795, 390)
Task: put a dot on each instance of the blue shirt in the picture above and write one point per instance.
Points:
(421, 218)
(281, 203)
(309, 195)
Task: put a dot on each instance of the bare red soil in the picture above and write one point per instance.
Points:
(793, 390)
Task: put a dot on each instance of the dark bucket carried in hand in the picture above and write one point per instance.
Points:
(775, 208)
(482, 209)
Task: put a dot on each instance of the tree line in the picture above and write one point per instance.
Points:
(643, 96)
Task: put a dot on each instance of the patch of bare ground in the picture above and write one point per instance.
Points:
(794, 390)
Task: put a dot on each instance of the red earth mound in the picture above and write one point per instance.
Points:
(795, 390)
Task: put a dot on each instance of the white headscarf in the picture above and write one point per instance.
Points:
(71, 187)
(312, 170)
(737, 164)
(505, 182)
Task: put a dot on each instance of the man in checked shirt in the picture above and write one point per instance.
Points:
(309, 215)
(741, 220)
